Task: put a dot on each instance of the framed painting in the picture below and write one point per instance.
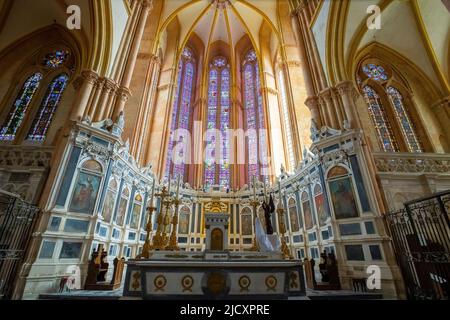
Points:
(108, 207)
(121, 211)
(308, 215)
(294, 218)
(135, 216)
(85, 193)
(343, 198)
(183, 223)
(246, 224)
(320, 206)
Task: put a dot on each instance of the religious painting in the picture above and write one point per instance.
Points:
(308, 215)
(320, 207)
(85, 193)
(343, 198)
(246, 224)
(135, 216)
(183, 221)
(293, 216)
(121, 211)
(108, 207)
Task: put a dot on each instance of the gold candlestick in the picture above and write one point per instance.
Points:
(284, 248)
(173, 242)
(254, 203)
(157, 238)
(147, 245)
(166, 222)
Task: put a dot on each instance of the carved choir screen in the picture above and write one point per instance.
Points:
(177, 156)
(25, 103)
(390, 112)
(257, 157)
(217, 166)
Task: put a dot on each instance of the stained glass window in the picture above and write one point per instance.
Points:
(380, 120)
(375, 72)
(404, 120)
(217, 167)
(44, 117)
(17, 113)
(287, 123)
(181, 113)
(56, 59)
(254, 118)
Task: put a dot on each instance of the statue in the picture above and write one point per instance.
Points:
(346, 125)
(323, 267)
(268, 210)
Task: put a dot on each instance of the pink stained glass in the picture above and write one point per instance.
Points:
(183, 118)
(224, 170)
(404, 120)
(380, 121)
(44, 117)
(250, 113)
(210, 167)
(18, 110)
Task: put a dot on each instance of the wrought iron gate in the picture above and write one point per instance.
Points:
(421, 237)
(17, 221)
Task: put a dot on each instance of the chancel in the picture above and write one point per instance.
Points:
(222, 149)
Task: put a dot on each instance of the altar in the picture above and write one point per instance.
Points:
(220, 275)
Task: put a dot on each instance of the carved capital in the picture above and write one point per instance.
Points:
(89, 76)
(345, 87)
(294, 63)
(123, 93)
(326, 95)
(312, 102)
(147, 5)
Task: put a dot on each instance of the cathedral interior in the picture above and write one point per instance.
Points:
(336, 111)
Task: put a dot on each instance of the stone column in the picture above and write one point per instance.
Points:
(87, 80)
(346, 91)
(313, 104)
(146, 6)
(90, 110)
(108, 86)
(326, 97)
(442, 112)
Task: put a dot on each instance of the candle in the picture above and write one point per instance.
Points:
(153, 192)
(265, 191)
(178, 186)
(168, 191)
(254, 187)
(279, 192)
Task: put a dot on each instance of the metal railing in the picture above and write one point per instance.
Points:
(421, 237)
(17, 221)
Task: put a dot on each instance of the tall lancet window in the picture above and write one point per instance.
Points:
(254, 119)
(18, 110)
(43, 119)
(217, 167)
(390, 112)
(286, 120)
(181, 115)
